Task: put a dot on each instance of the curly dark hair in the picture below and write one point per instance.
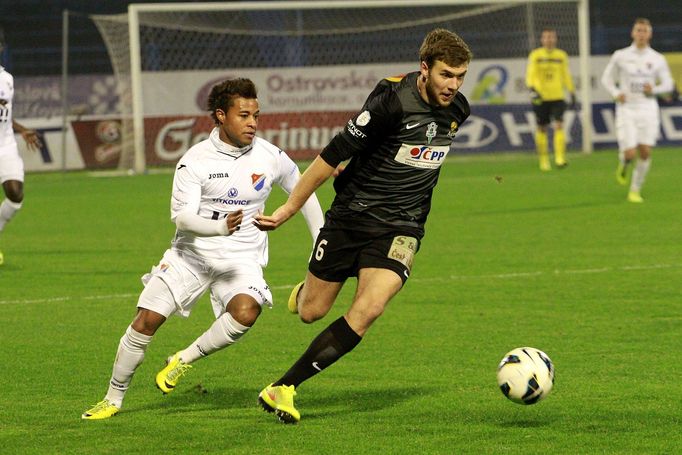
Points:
(223, 94)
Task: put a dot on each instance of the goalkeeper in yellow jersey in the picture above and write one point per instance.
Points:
(547, 75)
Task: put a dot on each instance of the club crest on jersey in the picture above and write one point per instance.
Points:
(258, 181)
(431, 131)
(453, 129)
(422, 156)
(364, 118)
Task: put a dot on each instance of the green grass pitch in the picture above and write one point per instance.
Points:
(558, 261)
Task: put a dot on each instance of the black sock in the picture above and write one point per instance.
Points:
(333, 343)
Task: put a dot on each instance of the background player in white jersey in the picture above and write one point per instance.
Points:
(11, 164)
(635, 76)
(220, 184)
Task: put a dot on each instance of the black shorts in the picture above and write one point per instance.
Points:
(549, 110)
(341, 253)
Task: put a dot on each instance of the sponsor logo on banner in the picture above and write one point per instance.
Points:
(304, 135)
(109, 131)
(99, 142)
(203, 92)
(422, 156)
(491, 84)
(476, 132)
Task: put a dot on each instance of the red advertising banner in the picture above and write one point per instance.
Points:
(301, 135)
(99, 142)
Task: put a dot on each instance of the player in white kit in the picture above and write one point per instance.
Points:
(11, 164)
(220, 184)
(635, 76)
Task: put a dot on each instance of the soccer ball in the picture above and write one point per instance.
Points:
(525, 375)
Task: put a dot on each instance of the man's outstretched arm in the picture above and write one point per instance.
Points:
(316, 174)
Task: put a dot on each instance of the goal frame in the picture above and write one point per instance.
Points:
(135, 9)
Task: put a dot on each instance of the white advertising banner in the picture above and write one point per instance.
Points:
(338, 88)
(301, 110)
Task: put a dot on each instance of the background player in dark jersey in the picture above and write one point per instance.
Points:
(396, 145)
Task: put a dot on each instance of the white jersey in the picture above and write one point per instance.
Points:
(213, 179)
(629, 69)
(6, 96)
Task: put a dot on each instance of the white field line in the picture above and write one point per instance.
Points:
(501, 276)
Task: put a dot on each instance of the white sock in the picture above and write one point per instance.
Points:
(7, 210)
(130, 354)
(639, 174)
(222, 333)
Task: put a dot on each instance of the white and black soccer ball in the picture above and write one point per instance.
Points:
(525, 375)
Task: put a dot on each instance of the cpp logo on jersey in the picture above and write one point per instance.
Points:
(422, 156)
(258, 181)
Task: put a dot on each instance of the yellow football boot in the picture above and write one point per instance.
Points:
(634, 196)
(168, 378)
(292, 305)
(280, 400)
(102, 410)
(622, 174)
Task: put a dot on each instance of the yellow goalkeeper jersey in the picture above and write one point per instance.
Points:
(548, 73)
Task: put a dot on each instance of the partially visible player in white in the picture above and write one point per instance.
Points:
(11, 164)
(635, 76)
(220, 184)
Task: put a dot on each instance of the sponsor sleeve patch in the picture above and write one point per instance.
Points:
(403, 250)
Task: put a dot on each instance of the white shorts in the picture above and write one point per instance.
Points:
(635, 126)
(11, 164)
(188, 279)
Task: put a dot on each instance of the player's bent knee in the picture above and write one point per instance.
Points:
(309, 314)
(17, 198)
(244, 309)
(147, 322)
(14, 191)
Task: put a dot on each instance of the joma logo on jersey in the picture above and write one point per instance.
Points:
(422, 156)
(218, 175)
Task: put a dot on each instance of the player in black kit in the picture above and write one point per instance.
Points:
(396, 145)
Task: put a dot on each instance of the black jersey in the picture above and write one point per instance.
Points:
(396, 143)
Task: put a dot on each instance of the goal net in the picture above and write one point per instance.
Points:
(314, 63)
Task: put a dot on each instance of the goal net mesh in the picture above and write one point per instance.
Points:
(180, 47)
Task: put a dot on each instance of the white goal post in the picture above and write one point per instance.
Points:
(311, 33)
